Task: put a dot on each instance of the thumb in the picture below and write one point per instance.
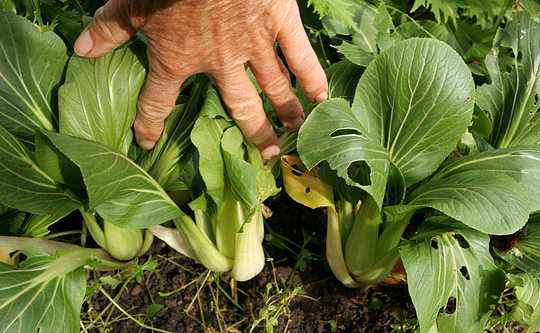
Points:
(110, 28)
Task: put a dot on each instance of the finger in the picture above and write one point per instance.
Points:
(275, 82)
(110, 28)
(301, 58)
(156, 100)
(245, 107)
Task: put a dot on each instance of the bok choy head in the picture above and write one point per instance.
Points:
(228, 183)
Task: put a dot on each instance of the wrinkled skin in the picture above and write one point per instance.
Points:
(216, 37)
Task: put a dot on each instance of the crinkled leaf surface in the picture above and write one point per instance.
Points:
(521, 163)
(25, 186)
(511, 98)
(31, 67)
(487, 201)
(525, 254)
(448, 263)
(118, 189)
(416, 99)
(98, 100)
(333, 133)
(44, 292)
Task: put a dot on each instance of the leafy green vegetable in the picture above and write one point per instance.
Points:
(450, 269)
(29, 79)
(25, 186)
(228, 183)
(511, 98)
(395, 153)
(98, 99)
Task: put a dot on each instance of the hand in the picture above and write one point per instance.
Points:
(216, 37)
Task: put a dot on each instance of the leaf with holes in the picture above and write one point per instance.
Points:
(416, 99)
(512, 98)
(453, 281)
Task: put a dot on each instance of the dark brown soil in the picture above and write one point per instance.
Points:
(309, 297)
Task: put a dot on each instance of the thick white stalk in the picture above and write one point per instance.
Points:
(334, 252)
(249, 256)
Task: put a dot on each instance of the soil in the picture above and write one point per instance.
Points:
(296, 291)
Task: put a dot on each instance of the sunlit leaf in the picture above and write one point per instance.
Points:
(98, 100)
(453, 281)
(118, 189)
(31, 68)
(416, 99)
(45, 292)
(487, 201)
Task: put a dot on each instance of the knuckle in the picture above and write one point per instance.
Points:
(153, 112)
(245, 111)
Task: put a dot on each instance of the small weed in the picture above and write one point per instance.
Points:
(333, 325)
(276, 302)
(104, 319)
(407, 323)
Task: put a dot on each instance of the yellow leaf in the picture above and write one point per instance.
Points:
(304, 186)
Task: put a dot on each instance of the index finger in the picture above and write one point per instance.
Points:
(301, 57)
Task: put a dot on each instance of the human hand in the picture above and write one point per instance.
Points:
(217, 38)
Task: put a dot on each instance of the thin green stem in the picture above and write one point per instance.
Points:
(127, 314)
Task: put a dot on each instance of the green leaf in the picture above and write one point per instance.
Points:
(422, 29)
(175, 146)
(525, 253)
(511, 98)
(11, 222)
(333, 133)
(152, 309)
(118, 189)
(526, 309)
(25, 186)
(241, 176)
(45, 292)
(206, 136)
(363, 34)
(98, 100)
(31, 67)
(37, 226)
(343, 77)
(416, 99)
(442, 10)
(337, 9)
(449, 267)
(471, 43)
(355, 54)
(487, 201)
(56, 164)
(521, 163)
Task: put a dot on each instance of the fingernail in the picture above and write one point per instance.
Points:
(147, 145)
(84, 44)
(294, 125)
(270, 151)
(321, 97)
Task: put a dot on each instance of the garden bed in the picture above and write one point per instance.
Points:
(320, 304)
